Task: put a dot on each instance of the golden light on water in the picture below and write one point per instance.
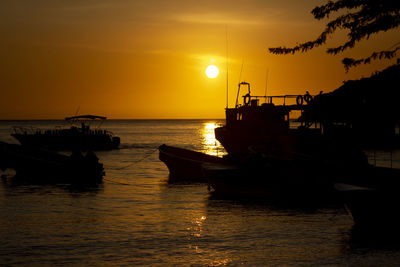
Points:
(211, 145)
(198, 226)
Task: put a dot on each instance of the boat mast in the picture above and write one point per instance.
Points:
(266, 84)
(240, 77)
(226, 35)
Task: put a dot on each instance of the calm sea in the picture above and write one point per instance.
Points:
(137, 218)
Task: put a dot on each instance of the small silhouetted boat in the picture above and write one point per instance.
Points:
(272, 178)
(185, 165)
(374, 204)
(37, 165)
(83, 137)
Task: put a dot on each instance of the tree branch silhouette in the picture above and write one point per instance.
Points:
(363, 19)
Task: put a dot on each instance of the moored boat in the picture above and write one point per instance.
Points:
(37, 165)
(185, 165)
(272, 178)
(375, 203)
(76, 137)
(287, 126)
(292, 157)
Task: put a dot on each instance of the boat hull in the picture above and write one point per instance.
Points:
(37, 165)
(69, 141)
(185, 165)
(237, 141)
(375, 204)
(272, 181)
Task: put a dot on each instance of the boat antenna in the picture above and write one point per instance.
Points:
(77, 110)
(241, 70)
(227, 81)
(76, 113)
(240, 77)
(266, 84)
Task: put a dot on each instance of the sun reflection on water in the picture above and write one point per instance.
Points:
(197, 228)
(222, 262)
(211, 145)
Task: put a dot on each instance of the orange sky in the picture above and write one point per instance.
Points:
(146, 59)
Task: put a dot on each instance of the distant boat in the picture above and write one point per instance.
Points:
(39, 165)
(76, 137)
(185, 165)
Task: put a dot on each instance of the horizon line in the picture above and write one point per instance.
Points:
(120, 119)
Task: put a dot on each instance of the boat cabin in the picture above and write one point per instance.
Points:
(267, 116)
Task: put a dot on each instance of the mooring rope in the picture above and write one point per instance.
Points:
(147, 155)
(115, 182)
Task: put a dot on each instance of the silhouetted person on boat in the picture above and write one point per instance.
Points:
(307, 97)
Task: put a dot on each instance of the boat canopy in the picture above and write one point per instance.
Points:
(85, 117)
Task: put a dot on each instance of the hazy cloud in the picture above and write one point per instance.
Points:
(217, 18)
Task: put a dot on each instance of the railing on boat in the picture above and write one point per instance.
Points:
(30, 130)
(26, 130)
(287, 105)
(251, 100)
(383, 158)
(294, 102)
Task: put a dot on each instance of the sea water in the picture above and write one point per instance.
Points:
(136, 217)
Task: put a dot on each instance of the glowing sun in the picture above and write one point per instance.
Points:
(212, 71)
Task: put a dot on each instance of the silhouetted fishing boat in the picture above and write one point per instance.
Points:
(75, 137)
(353, 114)
(300, 153)
(38, 165)
(185, 165)
(271, 125)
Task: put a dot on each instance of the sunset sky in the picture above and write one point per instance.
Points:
(146, 59)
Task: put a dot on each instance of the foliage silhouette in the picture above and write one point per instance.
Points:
(363, 19)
